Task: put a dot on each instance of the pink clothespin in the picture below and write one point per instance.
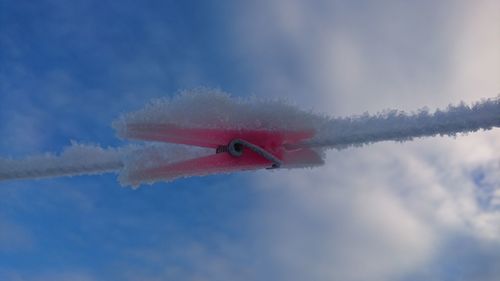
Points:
(234, 149)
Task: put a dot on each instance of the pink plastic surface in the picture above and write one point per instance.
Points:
(271, 141)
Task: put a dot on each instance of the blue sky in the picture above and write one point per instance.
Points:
(417, 211)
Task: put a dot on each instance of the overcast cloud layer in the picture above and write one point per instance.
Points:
(427, 210)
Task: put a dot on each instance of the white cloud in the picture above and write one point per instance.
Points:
(329, 224)
(380, 212)
(345, 58)
(475, 71)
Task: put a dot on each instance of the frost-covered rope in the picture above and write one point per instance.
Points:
(400, 126)
(62, 170)
(216, 110)
(77, 159)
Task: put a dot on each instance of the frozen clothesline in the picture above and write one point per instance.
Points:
(76, 159)
(211, 120)
(400, 126)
